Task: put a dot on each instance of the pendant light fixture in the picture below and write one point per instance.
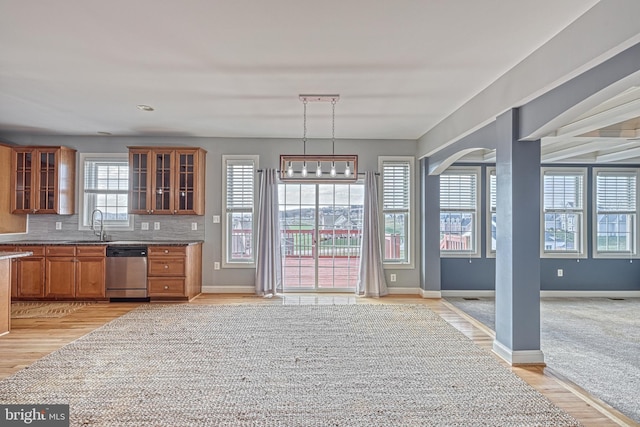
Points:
(328, 168)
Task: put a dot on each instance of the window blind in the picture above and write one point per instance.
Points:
(563, 191)
(240, 185)
(106, 176)
(458, 191)
(395, 186)
(616, 192)
(493, 182)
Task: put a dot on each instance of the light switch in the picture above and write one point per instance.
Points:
(144, 226)
(216, 265)
(156, 225)
(58, 225)
(216, 219)
(194, 226)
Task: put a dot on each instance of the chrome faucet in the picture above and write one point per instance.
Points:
(101, 233)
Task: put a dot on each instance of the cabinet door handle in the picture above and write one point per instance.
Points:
(166, 287)
(166, 266)
(166, 251)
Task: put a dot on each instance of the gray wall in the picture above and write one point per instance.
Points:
(590, 274)
(269, 151)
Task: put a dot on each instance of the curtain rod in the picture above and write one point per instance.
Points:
(359, 173)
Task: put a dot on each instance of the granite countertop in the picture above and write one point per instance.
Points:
(9, 255)
(97, 242)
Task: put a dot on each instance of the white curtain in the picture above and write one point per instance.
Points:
(268, 251)
(371, 280)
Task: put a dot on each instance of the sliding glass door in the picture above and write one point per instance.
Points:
(321, 226)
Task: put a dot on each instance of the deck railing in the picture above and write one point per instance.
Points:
(331, 243)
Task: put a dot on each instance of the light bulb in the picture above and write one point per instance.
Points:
(290, 170)
(333, 169)
(304, 170)
(319, 170)
(347, 171)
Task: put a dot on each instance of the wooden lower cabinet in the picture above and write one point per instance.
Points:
(59, 272)
(90, 277)
(60, 277)
(27, 274)
(175, 272)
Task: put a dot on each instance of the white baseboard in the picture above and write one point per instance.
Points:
(590, 294)
(228, 290)
(430, 294)
(468, 294)
(403, 291)
(518, 357)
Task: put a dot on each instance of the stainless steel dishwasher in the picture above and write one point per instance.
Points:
(126, 275)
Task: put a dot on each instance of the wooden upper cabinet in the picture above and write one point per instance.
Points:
(43, 180)
(166, 180)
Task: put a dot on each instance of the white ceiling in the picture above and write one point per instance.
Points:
(234, 68)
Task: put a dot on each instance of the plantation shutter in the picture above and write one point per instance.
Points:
(563, 191)
(616, 192)
(492, 190)
(395, 186)
(458, 191)
(240, 185)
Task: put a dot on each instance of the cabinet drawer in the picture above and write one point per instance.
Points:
(61, 251)
(166, 287)
(166, 267)
(167, 251)
(5, 248)
(92, 250)
(35, 250)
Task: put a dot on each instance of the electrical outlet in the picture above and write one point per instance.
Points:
(216, 265)
(156, 225)
(194, 226)
(58, 225)
(144, 226)
(216, 219)
(560, 272)
(393, 277)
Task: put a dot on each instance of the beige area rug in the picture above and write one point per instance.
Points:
(33, 309)
(289, 365)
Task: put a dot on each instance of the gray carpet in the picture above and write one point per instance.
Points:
(268, 365)
(594, 342)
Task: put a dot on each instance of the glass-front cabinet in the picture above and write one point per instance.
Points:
(43, 180)
(167, 181)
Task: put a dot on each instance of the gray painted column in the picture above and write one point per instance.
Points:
(518, 244)
(430, 280)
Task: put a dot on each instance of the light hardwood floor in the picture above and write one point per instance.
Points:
(31, 339)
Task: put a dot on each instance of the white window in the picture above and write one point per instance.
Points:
(616, 212)
(459, 207)
(492, 184)
(396, 208)
(563, 213)
(239, 203)
(104, 186)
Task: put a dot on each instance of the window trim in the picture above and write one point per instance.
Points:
(249, 157)
(491, 253)
(582, 252)
(82, 158)
(411, 224)
(477, 252)
(594, 221)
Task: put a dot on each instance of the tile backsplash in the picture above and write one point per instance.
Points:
(178, 227)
